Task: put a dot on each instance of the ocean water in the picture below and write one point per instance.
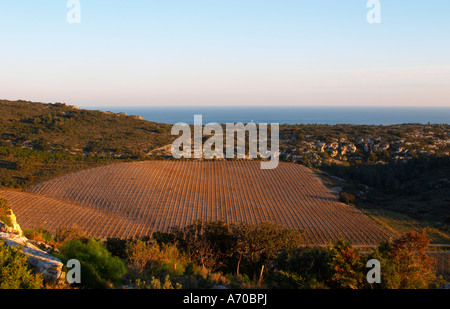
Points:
(288, 115)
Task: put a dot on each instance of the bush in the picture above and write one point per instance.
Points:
(39, 234)
(155, 284)
(302, 268)
(117, 247)
(154, 266)
(141, 255)
(348, 266)
(292, 280)
(63, 235)
(257, 244)
(405, 263)
(146, 258)
(99, 268)
(238, 281)
(346, 198)
(207, 243)
(15, 272)
(217, 246)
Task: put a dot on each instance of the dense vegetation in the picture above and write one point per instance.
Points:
(418, 189)
(99, 267)
(62, 128)
(209, 254)
(24, 167)
(422, 184)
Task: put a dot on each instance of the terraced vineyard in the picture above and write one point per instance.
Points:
(442, 265)
(136, 199)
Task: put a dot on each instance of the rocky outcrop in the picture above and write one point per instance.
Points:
(39, 260)
(12, 226)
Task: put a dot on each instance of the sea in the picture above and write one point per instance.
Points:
(286, 114)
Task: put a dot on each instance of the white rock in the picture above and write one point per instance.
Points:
(39, 260)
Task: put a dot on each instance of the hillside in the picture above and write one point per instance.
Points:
(63, 128)
(398, 173)
(136, 199)
(348, 144)
(40, 141)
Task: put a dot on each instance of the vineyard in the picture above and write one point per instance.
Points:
(138, 198)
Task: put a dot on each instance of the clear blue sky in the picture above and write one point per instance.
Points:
(226, 52)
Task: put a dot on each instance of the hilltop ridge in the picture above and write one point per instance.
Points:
(57, 127)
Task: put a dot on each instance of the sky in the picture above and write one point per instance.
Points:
(226, 52)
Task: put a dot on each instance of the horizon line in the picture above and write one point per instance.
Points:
(263, 106)
(227, 105)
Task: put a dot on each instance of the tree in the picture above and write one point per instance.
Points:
(348, 266)
(205, 242)
(405, 264)
(257, 243)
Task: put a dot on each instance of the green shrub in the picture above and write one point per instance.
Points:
(238, 281)
(117, 247)
(99, 268)
(348, 266)
(172, 268)
(292, 280)
(15, 272)
(303, 268)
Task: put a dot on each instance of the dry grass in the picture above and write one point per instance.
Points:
(400, 224)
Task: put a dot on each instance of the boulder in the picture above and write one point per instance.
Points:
(40, 261)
